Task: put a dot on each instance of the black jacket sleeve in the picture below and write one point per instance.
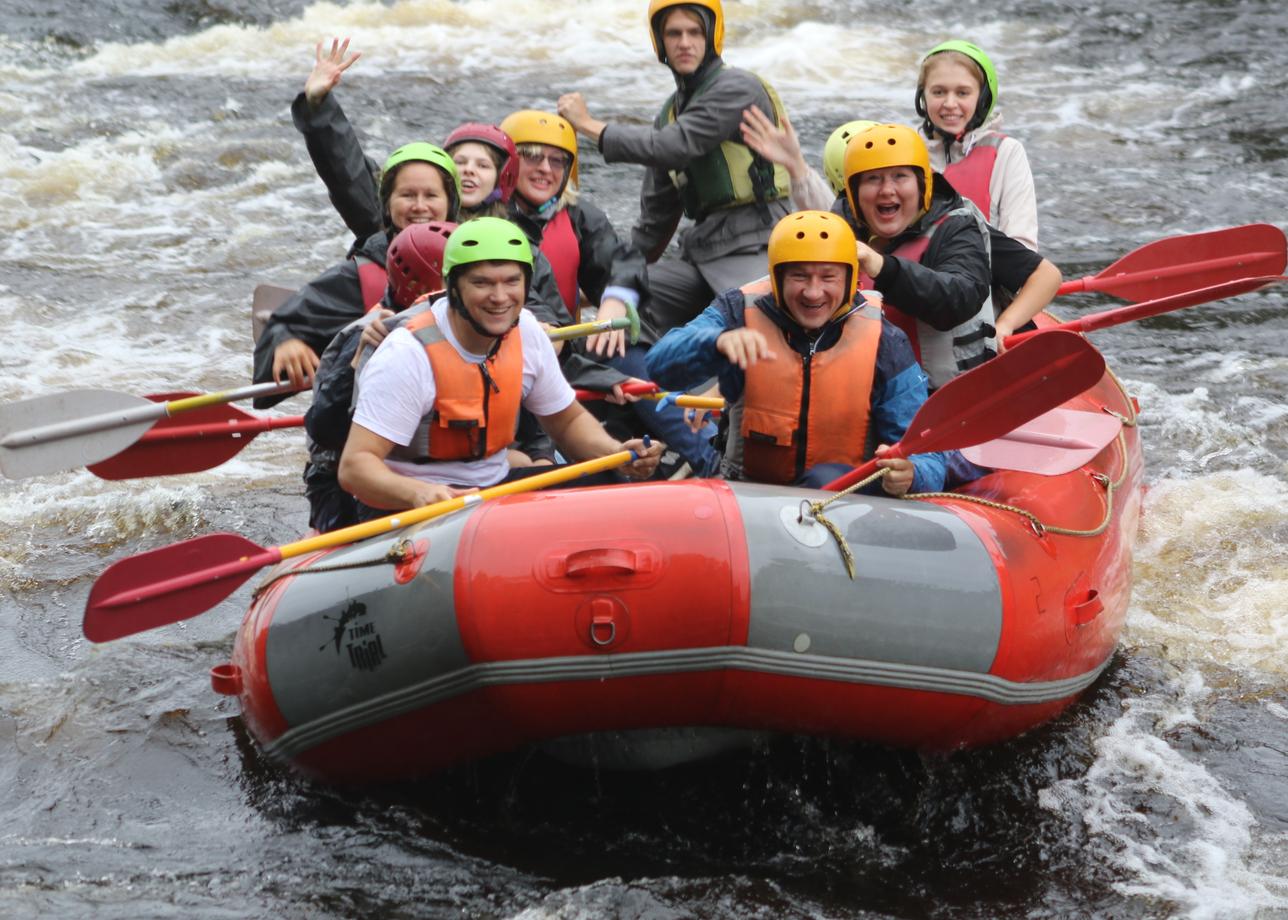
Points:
(351, 178)
(328, 418)
(605, 259)
(947, 287)
(313, 315)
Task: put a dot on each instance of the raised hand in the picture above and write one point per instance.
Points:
(776, 143)
(327, 68)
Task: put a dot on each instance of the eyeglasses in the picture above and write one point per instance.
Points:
(557, 161)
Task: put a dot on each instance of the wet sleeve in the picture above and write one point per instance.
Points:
(314, 315)
(351, 179)
(605, 259)
(947, 287)
(328, 416)
(686, 356)
(709, 119)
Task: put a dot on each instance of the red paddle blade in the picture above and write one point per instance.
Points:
(998, 396)
(1054, 443)
(1004, 393)
(1194, 260)
(170, 584)
(153, 456)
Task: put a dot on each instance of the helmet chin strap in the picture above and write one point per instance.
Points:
(454, 301)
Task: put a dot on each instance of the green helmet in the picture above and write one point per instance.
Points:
(987, 92)
(486, 239)
(419, 151)
(834, 152)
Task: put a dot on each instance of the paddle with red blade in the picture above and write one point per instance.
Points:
(199, 440)
(63, 431)
(1148, 308)
(178, 582)
(998, 396)
(1182, 263)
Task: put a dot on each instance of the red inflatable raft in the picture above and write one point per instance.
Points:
(652, 623)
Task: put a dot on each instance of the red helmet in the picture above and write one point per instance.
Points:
(414, 261)
(508, 174)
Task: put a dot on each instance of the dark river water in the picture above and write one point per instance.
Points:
(150, 178)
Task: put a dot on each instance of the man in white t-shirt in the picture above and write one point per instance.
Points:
(438, 401)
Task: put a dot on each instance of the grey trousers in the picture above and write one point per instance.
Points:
(679, 289)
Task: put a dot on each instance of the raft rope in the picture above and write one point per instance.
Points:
(1039, 527)
(401, 552)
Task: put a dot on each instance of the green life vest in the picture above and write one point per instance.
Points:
(730, 175)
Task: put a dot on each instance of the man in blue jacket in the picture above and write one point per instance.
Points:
(817, 380)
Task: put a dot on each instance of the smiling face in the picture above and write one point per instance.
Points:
(492, 294)
(477, 168)
(543, 170)
(684, 39)
(952, 93)
(813, 291)
(419, 195)
(889, 199)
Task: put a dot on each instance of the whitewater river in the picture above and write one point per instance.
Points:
(150, 177)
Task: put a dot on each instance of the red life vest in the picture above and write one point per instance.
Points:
(971, 175)
(802, 410)
(913, 250)
(560, 246)
(374, 280)
(476, 406)
(944, 354)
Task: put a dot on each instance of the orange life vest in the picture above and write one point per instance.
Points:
(562, 249)
(802, 410)
(476, 406)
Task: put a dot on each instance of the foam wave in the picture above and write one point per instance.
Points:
(1211, 576)
(1164, 821)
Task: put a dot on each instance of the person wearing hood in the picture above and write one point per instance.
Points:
(418, 184)
(697, 166)
(923, 247)
(588, 257)
(957, 100)
(816, 379)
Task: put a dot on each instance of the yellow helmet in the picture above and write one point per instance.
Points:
(531, 126)
(715, 40)
(834, 152)
(882, 146)
(813, 236)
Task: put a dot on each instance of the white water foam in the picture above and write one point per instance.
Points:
(1164, 822)
(1211, 573)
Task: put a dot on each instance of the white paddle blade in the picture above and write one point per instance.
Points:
(64, 431)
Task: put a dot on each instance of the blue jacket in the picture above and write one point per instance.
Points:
(687, 356)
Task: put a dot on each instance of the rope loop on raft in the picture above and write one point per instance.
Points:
(401, 552)
(816, 511)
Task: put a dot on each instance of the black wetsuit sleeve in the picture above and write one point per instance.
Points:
(351, 178)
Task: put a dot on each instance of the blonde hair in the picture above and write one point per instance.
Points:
(952, 57)
(570, 192)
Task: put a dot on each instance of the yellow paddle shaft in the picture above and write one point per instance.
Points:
(438, 509)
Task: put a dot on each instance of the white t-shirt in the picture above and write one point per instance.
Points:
(397, 390)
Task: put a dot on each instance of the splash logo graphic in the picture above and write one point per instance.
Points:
(361, 640)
